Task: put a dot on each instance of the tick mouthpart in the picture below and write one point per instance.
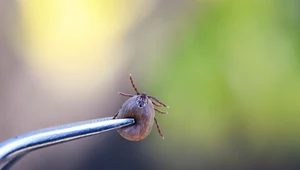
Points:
(143, 94)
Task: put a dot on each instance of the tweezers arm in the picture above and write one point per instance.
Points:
(13, 149)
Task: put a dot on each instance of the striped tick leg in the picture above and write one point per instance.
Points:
(132, 83)
(158, 101)
(125, 94)
(159, 111)
(156, 104)
(116, 115)
(159, 131)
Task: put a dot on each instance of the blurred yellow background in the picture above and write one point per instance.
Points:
(228, 69)
(76, 42)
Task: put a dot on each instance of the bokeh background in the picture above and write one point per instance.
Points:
(228, 69)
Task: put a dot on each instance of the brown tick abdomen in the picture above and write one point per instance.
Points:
(144, 119)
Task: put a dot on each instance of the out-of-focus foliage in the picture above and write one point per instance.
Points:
(233, 79)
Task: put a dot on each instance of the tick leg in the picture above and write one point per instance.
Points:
(125, 94)
(159, 111)
(132, 83)
(154, 98)
(155, 104)
(159, 131)
(116, 115)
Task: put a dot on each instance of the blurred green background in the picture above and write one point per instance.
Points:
(228, 69)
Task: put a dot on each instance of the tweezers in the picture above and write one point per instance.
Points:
(14, 149)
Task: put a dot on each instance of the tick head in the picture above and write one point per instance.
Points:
(144, 94)
(142, 100)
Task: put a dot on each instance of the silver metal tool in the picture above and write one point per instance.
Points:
(14, 149)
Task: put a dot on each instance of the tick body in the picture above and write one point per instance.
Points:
(144, 118)
(141, 108)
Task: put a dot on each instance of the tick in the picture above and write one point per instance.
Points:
(141, 108)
